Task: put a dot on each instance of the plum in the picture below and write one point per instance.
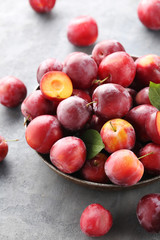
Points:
(149, 13)
(35, 104)
(81, 68)
(42, 6)
(150, 158)
(104, 48)
(148, 212)
(137, 117)
(49, 64)
(118, 134)
(42, 132)
(12, 91)
(119, 67)
(3, 148)
(111, 100)
(73, 113)
(82, 31)
(95, 220)
(93, 169)
(68, 154)
(124, 168)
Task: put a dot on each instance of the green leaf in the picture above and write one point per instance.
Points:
(93, 142)
(154, 94)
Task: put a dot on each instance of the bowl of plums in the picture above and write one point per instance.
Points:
(95, 119)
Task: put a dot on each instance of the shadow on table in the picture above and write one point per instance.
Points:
(4, 169)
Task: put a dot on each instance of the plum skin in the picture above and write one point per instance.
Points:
(42, 132)
(42, 6)
(83, 94)
(151, 162)
(104, 48)
(111, 100)
(123, 168)
(95, 220)
(82, 31)
(149, 13)
(3, 148)
(137, 117)
(35, 105)
(96, 122)
(142, 97)
(152, 127)
(147, 69)
(148, 212)
(119, 67)
(12, 91)
(68, 154)
(118, 134)
(49, 64)
(73, 113)
(81, 68)
(93, 169)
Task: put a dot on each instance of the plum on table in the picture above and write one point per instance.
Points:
(148, 212)
(82, 31)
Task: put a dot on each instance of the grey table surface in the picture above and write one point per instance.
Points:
(35, 202)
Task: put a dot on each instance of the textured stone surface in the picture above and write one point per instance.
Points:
(36, 203)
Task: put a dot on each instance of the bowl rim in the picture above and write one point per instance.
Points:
(100, 186)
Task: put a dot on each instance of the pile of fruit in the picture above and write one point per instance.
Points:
(92, 114)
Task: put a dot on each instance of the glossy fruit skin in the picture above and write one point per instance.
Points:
(68, 154)
(49, 64)
(42, 6)
(133, 94)
(104, 48)
(95, 220)
(123, 168)
(148, 212)
(151, 162)
(3, 148)
(93, 169)
(73, 113)
(149, 13)
(137, 117)
(152, 126)
(42, 132)
(81, 68)
(111, 101)
(97, 122)
(117, 134)
(12, 91)
(83, 94)
(35, 105)
(142, 97)
(82, 31)
(119, 67)
(147, 69)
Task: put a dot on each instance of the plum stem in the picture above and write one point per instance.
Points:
(90, 103)
(100, 81)
(95, 162)
(114, 129)
(11, 140)
(145, 155)
(27, 119)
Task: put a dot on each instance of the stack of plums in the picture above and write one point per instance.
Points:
(108, 92)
